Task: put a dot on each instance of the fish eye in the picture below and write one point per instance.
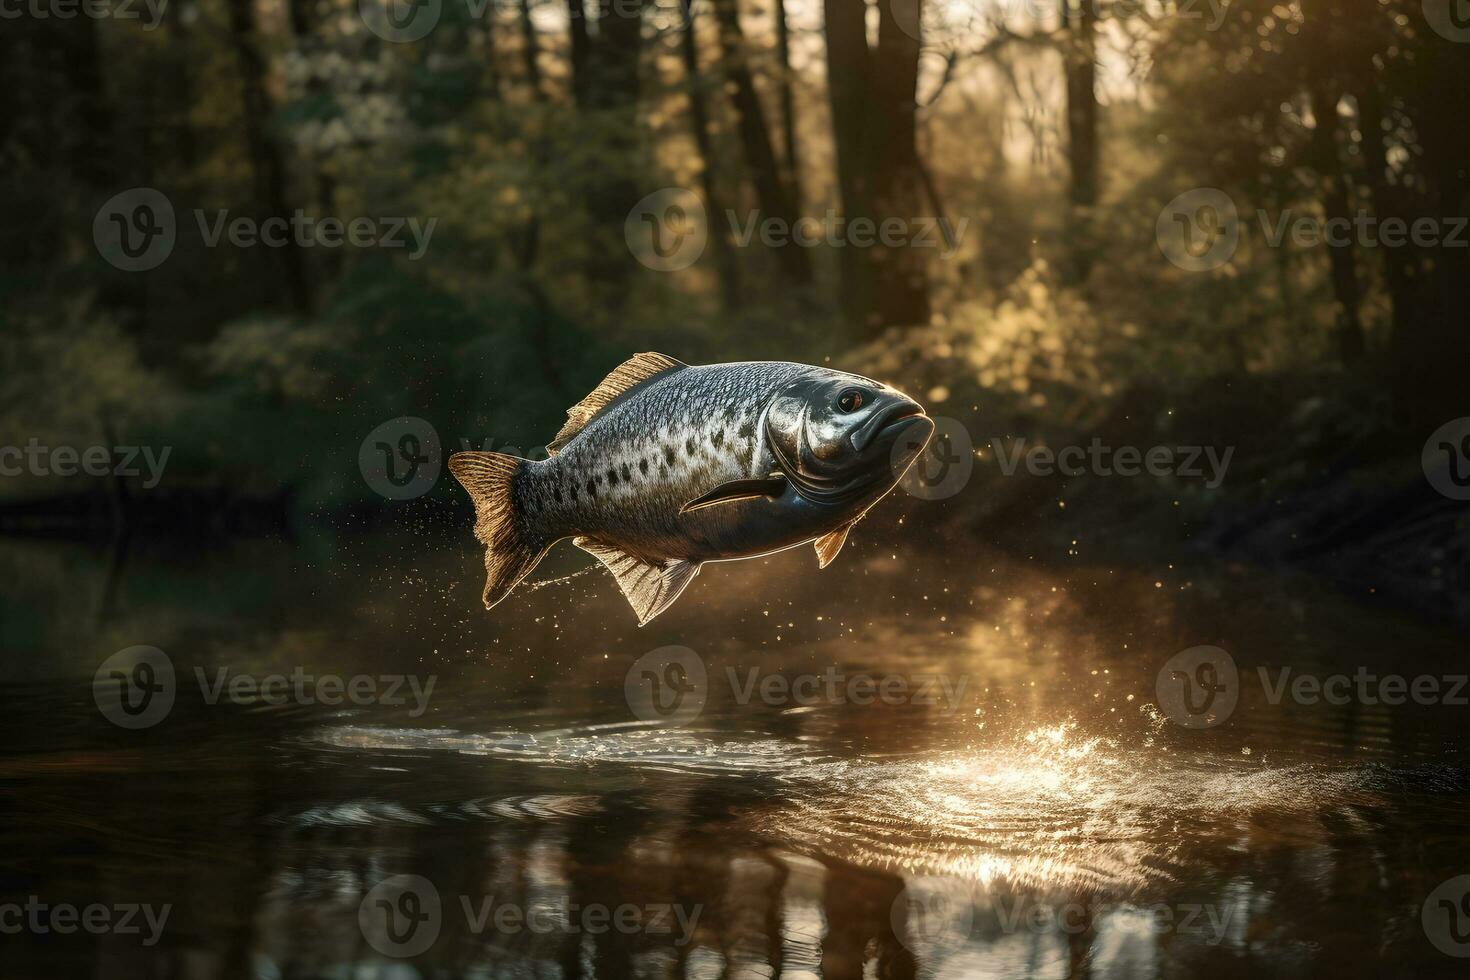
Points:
(850, 401)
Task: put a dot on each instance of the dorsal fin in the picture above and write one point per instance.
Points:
(625, 377)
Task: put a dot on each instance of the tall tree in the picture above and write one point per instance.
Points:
(267, 161)
(728, 269)
(579, 52)
(1080, 61)
(755, 140)
(787, 100)
(530, 49)
(612, 95)
(874, 122)
(900, 284)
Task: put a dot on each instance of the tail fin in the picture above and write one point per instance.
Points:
(509, 553)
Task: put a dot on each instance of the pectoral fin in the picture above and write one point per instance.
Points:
(650, 587)
(772, 486)
(829, 544)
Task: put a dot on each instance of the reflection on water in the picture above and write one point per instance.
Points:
(1043, 820)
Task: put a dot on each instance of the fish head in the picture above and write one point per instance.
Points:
(837, 436)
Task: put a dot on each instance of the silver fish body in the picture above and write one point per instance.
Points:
(666, 466)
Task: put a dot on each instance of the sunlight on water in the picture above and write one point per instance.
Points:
(1049, 808)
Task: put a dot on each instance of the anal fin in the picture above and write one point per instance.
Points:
(650, 587)
(828, 545)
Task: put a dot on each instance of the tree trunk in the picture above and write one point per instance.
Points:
(874, 122)
(755, 139)
(901, 288)
(580, 52)
(1082, 145)
(1337, 209)
(847, 90)
(265, 155)
(788, 105)
(612, 93)
(728, 269)
(530, 49)
(1431, 358)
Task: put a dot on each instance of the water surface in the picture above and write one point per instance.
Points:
(1036, 815)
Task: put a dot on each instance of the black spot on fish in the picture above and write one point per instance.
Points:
(731, 414)
(556, 493)
(689, 446)
(612, 478)
(574, 492)
(627, 474)
(747, 430)
(743, 454)
(643, 466)
(592, 489)
(718, 439)
(669, 455)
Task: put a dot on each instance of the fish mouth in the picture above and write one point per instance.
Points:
(892, 420)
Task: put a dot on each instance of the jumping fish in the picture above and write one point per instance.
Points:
(665, 466)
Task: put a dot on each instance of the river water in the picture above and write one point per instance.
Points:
(929, 759)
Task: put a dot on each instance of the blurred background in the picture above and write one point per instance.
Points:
(1105, 213)
(252, 246)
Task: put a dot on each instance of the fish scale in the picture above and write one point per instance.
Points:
(656, 425)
